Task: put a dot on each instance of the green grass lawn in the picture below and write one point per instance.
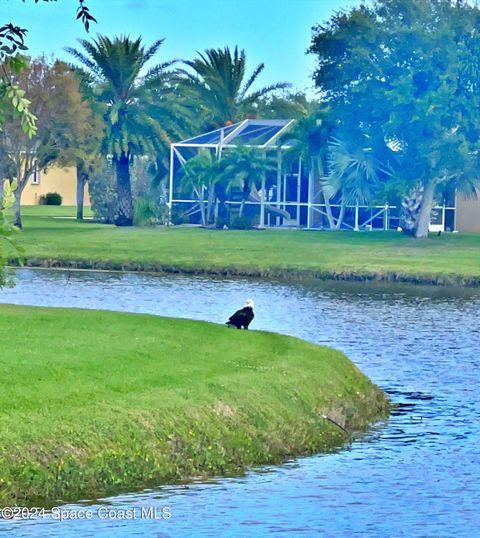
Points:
(47, 237)
(93, 402)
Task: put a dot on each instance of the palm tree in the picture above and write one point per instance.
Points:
(202, 172)
(308, 142)
(139, 112)
(243, 169)
(358, 167)
(219, 83)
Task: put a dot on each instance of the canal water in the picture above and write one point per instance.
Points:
(417, 475)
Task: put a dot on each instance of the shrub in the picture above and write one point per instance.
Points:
(51, 198)
(241, 223)
(103, 195)
(147, 212)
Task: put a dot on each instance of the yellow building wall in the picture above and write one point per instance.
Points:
(54, 179)
(467, 215)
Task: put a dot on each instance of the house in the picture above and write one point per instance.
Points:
(54, 179)
(292, 197)
(467, 214)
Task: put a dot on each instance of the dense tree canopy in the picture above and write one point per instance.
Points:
(405, 73)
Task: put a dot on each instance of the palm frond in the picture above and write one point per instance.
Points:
(84, 60)
(251, 80)
(150, 52)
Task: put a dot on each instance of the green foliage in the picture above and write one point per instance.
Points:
(203, 169)
(148, 212)
(218, 83)
(308, 140)
(75, 124)
(355, 171)
(239, 170)
(179, 216)
(140, 112)
(15, 96)
(243, 167)
(103, 194)
(243, 170)
(8, 247)
(200, 174)
(288, 105)
(51, 198)
(150, 204)
(12, 42)
(12, 96)
(405, 73)
(83, 13)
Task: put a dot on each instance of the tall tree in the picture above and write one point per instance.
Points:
(356, 175)
(54, 97)
(136, 121)
(243, 168)
(406, 72)
(201, 173)
(78, 135)
(308, 141)
(220, 85)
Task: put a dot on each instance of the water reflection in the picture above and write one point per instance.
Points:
(416, 476)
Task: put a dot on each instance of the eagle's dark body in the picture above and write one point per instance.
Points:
(241, 318)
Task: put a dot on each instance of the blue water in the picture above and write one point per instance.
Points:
(416, 476)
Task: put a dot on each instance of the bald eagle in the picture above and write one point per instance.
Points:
(242, 317)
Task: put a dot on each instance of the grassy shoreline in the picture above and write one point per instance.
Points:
(49, 241)
(94, 403)
(275, 273)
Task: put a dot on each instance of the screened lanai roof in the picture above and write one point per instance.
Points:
(259, 133)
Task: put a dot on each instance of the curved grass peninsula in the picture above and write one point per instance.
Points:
(93, 403)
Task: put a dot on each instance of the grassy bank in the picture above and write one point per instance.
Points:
(449, 258)
(93, 403)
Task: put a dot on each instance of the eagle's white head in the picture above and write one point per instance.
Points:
(249, 303)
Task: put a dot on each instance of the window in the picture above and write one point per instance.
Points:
(36, 175)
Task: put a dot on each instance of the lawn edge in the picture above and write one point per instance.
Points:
(292, 274)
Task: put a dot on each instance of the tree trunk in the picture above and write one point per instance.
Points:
(17, 213)
(201, 203)
(81, 181)
(242, 207)
(411, 205)
(2, 181)
(211, 200)
(318, 173)
(341, 216)
(124, 214)
(421, 231)
(328, 209)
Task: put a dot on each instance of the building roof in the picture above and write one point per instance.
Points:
(258, 133)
